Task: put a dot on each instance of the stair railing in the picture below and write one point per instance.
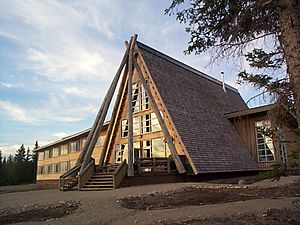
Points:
(119, 174)
(67, 176)
(86, 173)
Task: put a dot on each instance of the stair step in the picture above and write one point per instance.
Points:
(96, 189)
(98, 186)
(101, 179)
(99, 182)
(100, 176)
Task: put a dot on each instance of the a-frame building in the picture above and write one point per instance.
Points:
(176, 117)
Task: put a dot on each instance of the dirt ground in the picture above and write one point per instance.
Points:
(218, 202)
(214, 194)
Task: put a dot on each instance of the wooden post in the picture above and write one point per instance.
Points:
(129, 109)
(103, 111)
(175, 156)
(112, 123)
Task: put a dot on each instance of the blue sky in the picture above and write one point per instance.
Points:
(57, 59)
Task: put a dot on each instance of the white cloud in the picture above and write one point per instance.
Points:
(15, 112)
(75, 91)
(60, 134)
(6, 85)
(9, 150)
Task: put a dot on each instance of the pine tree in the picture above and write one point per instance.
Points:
(229, 28)
(1, 166)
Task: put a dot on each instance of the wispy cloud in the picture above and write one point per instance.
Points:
(60, 134)
(6, 85)
(15, 112)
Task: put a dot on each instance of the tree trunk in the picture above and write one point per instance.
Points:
(289, 18)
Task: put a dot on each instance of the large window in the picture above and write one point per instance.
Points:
(135, 98)
(64, 149)
(265, 148)
(74, 146)
(121, 152)
(64, 167)
(124, 128)
(55, 152)
(150, 123)
(155, 148)
(144, 99)
(140, 99)
(136, 125)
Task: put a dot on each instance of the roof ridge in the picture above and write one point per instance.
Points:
(183, 65)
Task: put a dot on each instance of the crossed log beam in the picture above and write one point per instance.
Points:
(130, 62)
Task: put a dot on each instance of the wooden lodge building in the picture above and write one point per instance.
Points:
(182, 123)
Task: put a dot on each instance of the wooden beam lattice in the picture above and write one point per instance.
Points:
(129, 109)
(169, 140)
(99, 121)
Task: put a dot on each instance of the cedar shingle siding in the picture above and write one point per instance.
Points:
(197, 106)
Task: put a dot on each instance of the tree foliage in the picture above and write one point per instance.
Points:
(18, 169)
(230, 28)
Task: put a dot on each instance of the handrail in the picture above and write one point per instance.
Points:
(119, 174)
(70, 171)
(119, 167)
(92, 162)
(86, 173)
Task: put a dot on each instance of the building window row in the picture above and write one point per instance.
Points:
(141, 125)
(56, 167)
(143, 149)
(61, 150)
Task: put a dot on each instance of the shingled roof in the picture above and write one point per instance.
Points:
(197, 103)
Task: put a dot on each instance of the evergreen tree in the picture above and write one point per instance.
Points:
(1, 166)
(229, 28)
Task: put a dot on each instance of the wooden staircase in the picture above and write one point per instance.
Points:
(99, 181)
(105, 179)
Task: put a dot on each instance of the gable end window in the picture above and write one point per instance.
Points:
(265, 148)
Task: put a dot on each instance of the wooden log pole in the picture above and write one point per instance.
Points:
(114, 116)
(174, 154)
(103, 111)
(129, 109)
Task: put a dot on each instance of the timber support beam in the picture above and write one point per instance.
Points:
(169, 140)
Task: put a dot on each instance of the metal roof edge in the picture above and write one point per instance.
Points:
(67, 138)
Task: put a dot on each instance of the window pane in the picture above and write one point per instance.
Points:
(265, 146)
(64, 166)
(64, 149)
(41, 155)
(124, 128)
(55, 152)
(158, 148)
(136, 125)
(75, 146)
(54, 168)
